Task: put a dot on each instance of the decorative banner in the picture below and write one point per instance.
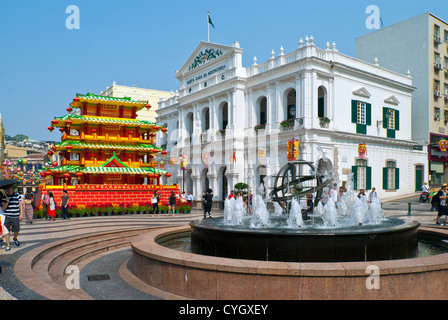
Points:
(183, 161)
(292, 150)
(233, 157)
(362, 150)
(261, 153)
(206, 158)
(443, 145)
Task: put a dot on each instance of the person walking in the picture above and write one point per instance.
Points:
(65, 199)
(155, 203)
(372, 195)
(172, 202)
(443, 205)
(13, 211)
(52, 207)
(208, 204)
(29, 210)
(46, 203)
(190, 198)
(3, 230)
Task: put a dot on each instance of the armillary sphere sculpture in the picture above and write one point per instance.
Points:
(298, 179)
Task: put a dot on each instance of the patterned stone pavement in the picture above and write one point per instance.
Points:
(43, 232)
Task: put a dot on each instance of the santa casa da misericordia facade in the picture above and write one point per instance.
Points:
(232, 123)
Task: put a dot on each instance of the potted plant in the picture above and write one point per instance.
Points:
(134, 208)
(187, 208)
(287, 123)
(260, 127)
(324, 122)
(221, 132)
(163, 208)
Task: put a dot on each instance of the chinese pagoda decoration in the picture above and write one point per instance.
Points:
(103, 144)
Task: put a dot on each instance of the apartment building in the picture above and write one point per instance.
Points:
(418, 47)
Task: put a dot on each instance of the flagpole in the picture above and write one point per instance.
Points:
(208, 26)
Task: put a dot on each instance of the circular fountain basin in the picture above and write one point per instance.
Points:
(392, 239)
(172, 274)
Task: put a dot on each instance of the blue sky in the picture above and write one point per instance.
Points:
(143, 43)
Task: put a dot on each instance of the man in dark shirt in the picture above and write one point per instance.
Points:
(443, 205)
(64, 205)
(12, 206)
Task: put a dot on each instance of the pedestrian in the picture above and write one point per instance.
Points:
(45, 203)
(443, 205)
(372, 195)
(208, 203)
(361, 194)
(3, 230)
(250, 197)
(334, 193)
(190, 198)
(172, 202)
(65, 199)
(29, 210)
(340, 193)
(231, 195)
(155, 202)
(13, 211)
(52, 207)
(183, 197)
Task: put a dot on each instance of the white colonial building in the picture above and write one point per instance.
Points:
(234, 122)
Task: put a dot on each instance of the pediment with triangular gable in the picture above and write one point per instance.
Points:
(362, 92)
(205, 53)
(114, 162)
(392, 100)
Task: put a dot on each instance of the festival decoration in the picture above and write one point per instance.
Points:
(362, 150)
(233, 157)
(292, 150)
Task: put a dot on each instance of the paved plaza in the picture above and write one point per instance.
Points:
(115, 263)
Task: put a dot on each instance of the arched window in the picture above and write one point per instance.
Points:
(224, 116)
(262, 114)
(322, 102)
(291, 105)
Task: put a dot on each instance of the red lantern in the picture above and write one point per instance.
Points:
(53, 148)
(61, 129)
(69, 147)
(76, 99)
(151, 175)
(155, 150)
(66, 175)
(68, 122)
(164, 129)
(168, 175)
(155, 127)
(78, 174)
(50, 153)
(163, 152)
(54, 163)
(54, 122)
(51, 129)
(69, 109)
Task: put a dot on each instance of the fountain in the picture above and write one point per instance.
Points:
(294, 246)
(294, 231)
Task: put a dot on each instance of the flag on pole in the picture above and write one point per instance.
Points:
(210, 20)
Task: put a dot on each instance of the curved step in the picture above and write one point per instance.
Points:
(43, 269)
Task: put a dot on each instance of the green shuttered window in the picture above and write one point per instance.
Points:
(361, 115)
